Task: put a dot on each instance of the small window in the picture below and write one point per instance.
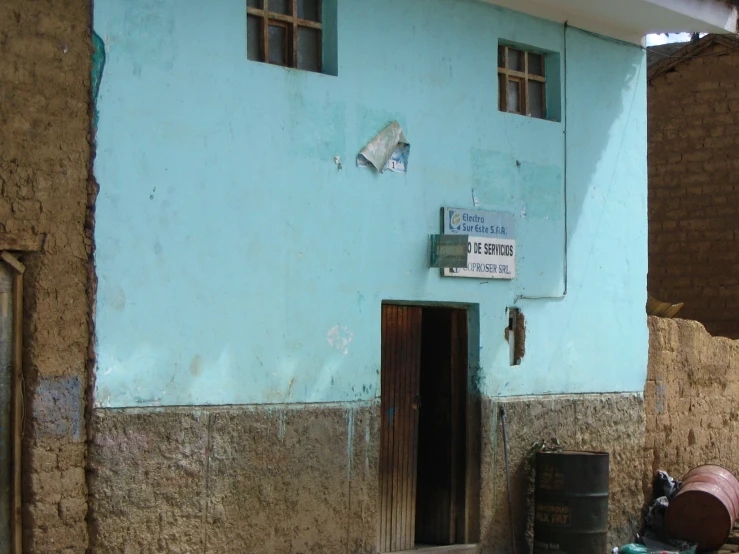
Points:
(285, 32)
(521, 82)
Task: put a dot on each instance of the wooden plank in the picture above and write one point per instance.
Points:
(522, 75)
(384, 533)
(22, 242)
(7, 281)
(525, 90)
(451, 549)
(505, 79)
(16, 502)
(411, 439)
(411, 411)
(294, 33)
(286, 18)
(416, 391)
(320, 43)
(390, 345)
(397, 426)
(265, 32)
(13, 262)
(404, 422)
(400, 364)
(392, 419)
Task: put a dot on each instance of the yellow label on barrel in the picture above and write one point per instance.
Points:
(553, 515)
(551, 479)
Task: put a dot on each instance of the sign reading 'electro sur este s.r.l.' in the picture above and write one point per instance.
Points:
(491, 247)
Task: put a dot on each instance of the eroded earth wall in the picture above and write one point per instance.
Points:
(45, 50)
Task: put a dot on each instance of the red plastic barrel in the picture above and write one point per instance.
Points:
(705, 509)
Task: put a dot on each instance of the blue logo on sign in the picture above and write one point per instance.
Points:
(455, 220)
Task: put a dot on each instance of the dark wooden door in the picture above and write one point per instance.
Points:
(400, 378)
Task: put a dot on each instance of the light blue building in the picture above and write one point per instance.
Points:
(279, 368)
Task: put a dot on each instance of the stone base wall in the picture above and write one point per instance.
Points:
(606, 423)
(300, 479)
(297, 479)
(691, 397)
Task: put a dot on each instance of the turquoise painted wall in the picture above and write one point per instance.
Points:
(238, 264)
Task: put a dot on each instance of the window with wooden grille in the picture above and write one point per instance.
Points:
(285, 32)
(522, 82)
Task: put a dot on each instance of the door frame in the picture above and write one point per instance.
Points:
(470, 529)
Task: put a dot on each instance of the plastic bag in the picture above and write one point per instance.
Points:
(641, 549)
(633, 549)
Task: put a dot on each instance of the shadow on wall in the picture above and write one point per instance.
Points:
(606, 139)
(606, 240)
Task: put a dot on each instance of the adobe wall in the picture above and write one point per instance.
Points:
(304, 478)
(691, 398)
(44, 159)
(694, 189)
(278, 479)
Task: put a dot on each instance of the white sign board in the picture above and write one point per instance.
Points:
(491, 247)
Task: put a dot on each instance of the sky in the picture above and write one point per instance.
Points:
(654, 40)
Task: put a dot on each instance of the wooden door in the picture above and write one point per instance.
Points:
(400, 379)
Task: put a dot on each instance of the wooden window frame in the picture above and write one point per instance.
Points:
(510, 75)
(292, 23)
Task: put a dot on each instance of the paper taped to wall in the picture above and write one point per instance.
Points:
(388, 150)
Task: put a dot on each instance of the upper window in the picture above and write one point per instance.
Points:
(522, 82)
(285, 32)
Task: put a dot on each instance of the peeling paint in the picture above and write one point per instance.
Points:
(340, 337)
(98, 65)
(57, 408)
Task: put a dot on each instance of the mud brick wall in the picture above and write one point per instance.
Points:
(305, 477)
(694, 189)
(612, 423)
(45, 52)
(691, 398)
(274, 479)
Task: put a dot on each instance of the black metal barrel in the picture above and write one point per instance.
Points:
(571, 496)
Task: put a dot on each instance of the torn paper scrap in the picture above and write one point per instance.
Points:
(388, 150)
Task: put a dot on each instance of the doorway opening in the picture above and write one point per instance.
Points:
(428, 465)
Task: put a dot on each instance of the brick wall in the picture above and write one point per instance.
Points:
(694, 189)
(45, 50)
(691, 398)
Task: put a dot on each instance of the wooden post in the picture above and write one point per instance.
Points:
(16, 522)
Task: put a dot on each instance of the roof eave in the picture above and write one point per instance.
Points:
(631, 20)
(707, 16)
